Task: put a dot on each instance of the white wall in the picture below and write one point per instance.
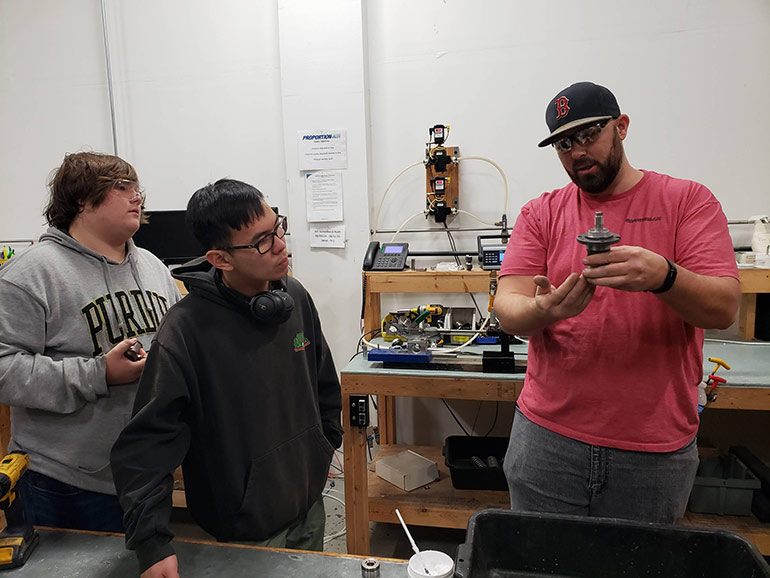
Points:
(196, 91)
(323, 88)
(692, 76)
(205, 89)
(52, 100)
(198, 95)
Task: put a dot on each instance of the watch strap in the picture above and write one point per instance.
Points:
(668, 282)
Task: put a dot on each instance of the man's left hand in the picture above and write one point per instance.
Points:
(626, 268)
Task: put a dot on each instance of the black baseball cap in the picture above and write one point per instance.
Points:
(580, 104)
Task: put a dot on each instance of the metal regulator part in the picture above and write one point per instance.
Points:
(598, 239)
(370, 568)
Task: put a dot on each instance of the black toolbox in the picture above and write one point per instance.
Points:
(476, 462)
(526, 545)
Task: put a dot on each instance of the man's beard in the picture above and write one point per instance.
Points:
(606, 172)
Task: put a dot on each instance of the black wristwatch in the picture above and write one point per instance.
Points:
(668, 282)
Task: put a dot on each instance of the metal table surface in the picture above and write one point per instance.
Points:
(750, 363)
(70, 554)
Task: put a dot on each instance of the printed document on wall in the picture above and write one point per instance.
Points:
(323, 194)
(328, 237)
(322, 150)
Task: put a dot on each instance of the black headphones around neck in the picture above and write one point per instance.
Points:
(270, 307)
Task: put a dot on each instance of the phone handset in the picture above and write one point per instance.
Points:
(371, 253)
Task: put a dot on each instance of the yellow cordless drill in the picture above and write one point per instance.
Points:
(19, 538)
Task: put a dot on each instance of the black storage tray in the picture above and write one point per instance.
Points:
(503, 543)
(458, 451)
(723, 486)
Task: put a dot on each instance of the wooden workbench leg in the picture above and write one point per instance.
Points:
(747, 316)
(386, 419)
(5, 429)
(356, 484)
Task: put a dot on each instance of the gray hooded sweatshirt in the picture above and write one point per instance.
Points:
(63, 307)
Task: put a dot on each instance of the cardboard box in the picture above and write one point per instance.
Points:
(407, 470)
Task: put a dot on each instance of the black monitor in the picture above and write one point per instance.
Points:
(167, 237)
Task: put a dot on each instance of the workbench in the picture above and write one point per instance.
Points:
(369, 498)
(69, 553)
(377, 283)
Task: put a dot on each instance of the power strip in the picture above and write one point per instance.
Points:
(359, 410)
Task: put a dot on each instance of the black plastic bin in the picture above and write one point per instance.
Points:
(723, 486)
(467, 475)
(507, 544)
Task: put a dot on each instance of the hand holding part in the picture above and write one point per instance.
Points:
(120, 368)
(599, 239)
(627, 268)
(134, 353)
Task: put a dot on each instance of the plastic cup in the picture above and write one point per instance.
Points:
(438, 564)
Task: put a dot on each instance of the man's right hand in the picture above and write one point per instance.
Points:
(567, 300)
(120, 369)
(526, 304)
(166, 568)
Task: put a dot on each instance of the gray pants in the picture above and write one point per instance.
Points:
(550, 473)
(307, 533)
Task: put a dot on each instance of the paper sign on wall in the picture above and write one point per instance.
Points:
(323, 194)
(322, 150)
(329, 237)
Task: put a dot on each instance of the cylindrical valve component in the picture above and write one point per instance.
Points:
(478, 462)
(599, 239)
(370, 568)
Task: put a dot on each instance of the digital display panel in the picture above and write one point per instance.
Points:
(390, 249)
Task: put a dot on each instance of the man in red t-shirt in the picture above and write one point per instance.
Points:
(606, 422)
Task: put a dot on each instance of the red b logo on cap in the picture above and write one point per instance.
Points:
(562, 107)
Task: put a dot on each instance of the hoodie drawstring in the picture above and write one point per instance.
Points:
(113, 298)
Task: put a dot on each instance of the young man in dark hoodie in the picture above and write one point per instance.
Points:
(73, 304)
(239, 388)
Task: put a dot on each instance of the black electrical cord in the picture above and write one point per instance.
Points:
(476, 417)
(481, 315)
(356, 354)
(455, 417)
(374, 333)
(452, 243)
(494, 423)
(363, 296)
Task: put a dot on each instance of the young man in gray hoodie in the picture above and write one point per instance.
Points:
(73, 305)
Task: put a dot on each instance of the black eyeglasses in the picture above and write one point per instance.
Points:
(583, 137)
(265, 243)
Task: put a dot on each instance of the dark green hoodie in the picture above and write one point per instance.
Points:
(250, 410)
